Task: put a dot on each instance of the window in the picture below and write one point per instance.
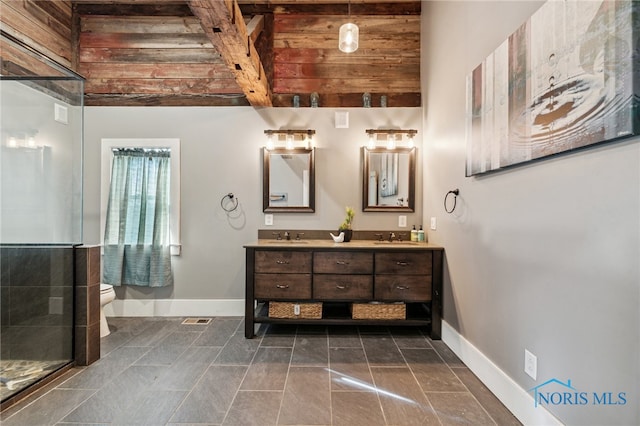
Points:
(140, 206)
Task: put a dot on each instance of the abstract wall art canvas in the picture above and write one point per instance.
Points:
(568, 78)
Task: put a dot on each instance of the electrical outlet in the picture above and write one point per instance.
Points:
(434, 224)
(268, 219)
(402, 221)
(530, 364)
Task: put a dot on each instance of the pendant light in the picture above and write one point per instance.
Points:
(348, 38)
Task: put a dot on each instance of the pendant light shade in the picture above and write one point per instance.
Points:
(348, 39)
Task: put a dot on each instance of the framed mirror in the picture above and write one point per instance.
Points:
(389, 179)
(289, 180)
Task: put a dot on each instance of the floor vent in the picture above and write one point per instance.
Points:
(198, 321)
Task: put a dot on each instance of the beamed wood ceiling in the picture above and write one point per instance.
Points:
(244, 52)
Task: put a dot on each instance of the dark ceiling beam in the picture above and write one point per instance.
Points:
(320, 8)
(118, 9)
(248, 7)
(223, 23)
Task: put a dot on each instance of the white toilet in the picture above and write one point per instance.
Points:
(106, 296)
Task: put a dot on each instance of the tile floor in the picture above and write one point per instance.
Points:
(158, 371)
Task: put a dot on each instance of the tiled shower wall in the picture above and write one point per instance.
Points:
(87, 331)
(38, 296)
(36, 285)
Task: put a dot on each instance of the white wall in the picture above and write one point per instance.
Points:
(222, 152)
(543, 256)
(40, 185)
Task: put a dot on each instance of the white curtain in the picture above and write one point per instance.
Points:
(137, 239)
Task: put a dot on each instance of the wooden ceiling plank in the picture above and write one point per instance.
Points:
(350, 100)
(340, 85)
(141, 24)
(162, 100)
(362, 57)
(108, 55)
(328, 71)
(120, 9)
(165, 86)
(314, 24)
(313, 7)
(222, 22)
(153, 70)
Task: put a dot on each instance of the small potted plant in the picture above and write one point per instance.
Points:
(346, 225)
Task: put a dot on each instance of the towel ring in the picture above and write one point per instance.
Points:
(232, 199)
(455, 193)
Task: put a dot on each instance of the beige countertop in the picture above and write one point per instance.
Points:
(351, 245)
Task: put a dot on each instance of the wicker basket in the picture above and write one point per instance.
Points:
(379, 311)
(289, 310)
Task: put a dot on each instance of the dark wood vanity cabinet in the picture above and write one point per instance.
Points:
(338, 277)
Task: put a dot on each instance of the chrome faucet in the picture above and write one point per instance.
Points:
(392, 235)
(287, 236)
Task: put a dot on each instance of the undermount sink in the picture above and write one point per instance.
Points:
(396, 243)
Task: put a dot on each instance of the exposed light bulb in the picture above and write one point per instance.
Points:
(270, 142)
(411, 142)
(289, 141)
(391, 141)
(12, 142)
(31, 142)
(310, 140)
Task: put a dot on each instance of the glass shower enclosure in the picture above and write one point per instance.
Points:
(41, 125)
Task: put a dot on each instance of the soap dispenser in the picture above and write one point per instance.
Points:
(414, 234)
(421, 234)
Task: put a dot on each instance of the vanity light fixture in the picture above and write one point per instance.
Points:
(22, 140)
(348, 36)
(291, 136)
(393, 136)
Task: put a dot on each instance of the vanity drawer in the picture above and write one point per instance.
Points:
(282, 286)
(342, 287)
(342, 262)
(406, 288)
(283, 261)
(416, 263)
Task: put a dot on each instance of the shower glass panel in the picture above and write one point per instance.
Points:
(41, 124)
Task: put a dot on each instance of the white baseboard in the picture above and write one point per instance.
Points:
(515, 398)
(175, 308)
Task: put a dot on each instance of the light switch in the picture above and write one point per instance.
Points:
(402, 221)
(268, 219)
(433, 224)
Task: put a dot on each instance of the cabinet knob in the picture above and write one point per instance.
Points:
(341, 287)
(401, 263)
(282, 286)
(402, 287)
(341, 262)
(282, 262)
